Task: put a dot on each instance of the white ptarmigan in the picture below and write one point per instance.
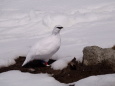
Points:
(45, 48)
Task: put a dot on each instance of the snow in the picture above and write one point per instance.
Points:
(62, 19)
(85, 22)
(100, 80)
(17, 78)
(61, 63)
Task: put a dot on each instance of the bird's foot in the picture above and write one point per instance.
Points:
(46, 64)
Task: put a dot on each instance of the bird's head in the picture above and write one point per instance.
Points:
(57, 29)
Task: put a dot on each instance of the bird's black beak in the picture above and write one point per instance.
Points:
(59, 27)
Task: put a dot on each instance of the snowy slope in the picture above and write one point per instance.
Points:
(24, 22)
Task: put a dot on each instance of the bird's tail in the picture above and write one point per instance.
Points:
(25, 62)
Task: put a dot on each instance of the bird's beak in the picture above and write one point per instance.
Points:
(60, 27)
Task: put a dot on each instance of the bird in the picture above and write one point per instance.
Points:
(45, 48)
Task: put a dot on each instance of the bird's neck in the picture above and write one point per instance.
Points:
(55, 33)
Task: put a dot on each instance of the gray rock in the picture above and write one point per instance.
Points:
(93, 55)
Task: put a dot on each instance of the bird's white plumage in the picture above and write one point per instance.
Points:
(45, 48)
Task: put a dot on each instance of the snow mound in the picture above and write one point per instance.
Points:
(61, 63)
(27, 79)
(6, 62)
(100, 80)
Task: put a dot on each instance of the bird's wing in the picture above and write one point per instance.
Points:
(42, 48)
(47, 45)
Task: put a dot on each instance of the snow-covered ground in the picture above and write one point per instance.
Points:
(17, 78)
(24, 22)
